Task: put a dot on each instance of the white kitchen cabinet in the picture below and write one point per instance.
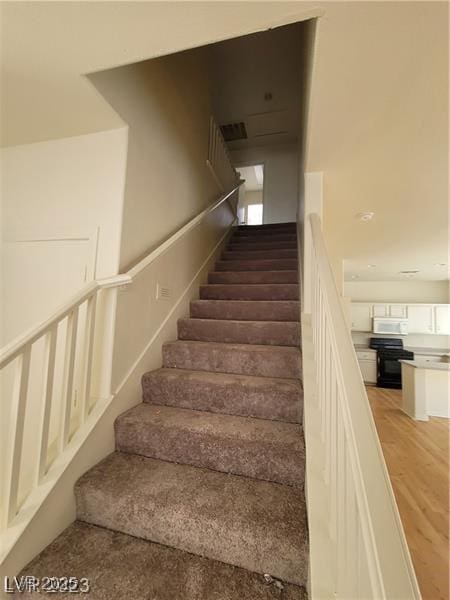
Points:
(442, 319)
(368, 366)
(361, 317)
(367, 360)
(380, 310)
(420, 318)
(390, 310)
(398, 310)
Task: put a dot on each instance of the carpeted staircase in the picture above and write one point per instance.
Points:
(204, 494)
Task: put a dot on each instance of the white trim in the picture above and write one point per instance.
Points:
(359, 513)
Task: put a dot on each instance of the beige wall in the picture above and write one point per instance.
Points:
(253, 197)
(434, 292)
(61, 204)
(378, 129)
(175, 270)
(280, 179)
(165, 103)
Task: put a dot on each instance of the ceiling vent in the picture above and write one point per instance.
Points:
(233, 131)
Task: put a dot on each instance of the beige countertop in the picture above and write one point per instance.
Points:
(422, 364)
(416, 349)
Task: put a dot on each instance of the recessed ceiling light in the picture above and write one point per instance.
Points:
(355, 276)
(365, 216)
(371, 266)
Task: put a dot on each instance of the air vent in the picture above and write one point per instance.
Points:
(411, 272)
(163, 292)
(233, 131)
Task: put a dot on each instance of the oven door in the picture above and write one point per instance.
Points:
(389, 370)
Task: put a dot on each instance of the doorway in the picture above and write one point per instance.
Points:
(251, 201)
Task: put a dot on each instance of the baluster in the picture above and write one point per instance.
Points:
(327, 421)
(20, 393)
(69, 363)
(49, 372)
(341, 478)
(214, 155)
(351, 542)
(89, 350)
(333, 453)
(210, 144)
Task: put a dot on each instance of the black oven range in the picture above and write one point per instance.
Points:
(389, 352)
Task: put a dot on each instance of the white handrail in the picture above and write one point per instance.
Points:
(12, 350)
(84, 326)
(367, 546)
(143, 264)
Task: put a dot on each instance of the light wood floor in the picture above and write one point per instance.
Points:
(417, 457)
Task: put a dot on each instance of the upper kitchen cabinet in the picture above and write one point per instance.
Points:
(390, 310)
(361, 316)
(420, 318)
(399, 311)
(442, 319)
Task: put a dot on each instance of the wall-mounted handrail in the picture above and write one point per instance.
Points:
(142, 264)
(81, 332)
(365, 542)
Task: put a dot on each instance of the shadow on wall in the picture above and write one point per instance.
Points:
(165, 103)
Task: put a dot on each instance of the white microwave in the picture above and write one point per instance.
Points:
(391, 326)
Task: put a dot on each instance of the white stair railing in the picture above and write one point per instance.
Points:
(55, 382)
(358, 547)
(47, 401)
(219, 160)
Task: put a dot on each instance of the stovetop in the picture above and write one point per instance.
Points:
(385, 343)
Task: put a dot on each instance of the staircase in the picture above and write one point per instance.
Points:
(204, 493)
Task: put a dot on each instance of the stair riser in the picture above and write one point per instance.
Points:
(258, 310)
(208, 449)
(251, 277)
(262, 238)
(287, 291)
(242, 361)
(168, 508)
(258, 254)
(241, 396)
(268, 226)
(255, 230)
(278, 264)
(239, 332)
(257, 246)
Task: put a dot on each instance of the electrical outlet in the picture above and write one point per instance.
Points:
(163, 292)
